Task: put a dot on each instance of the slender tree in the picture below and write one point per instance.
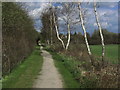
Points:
(51, 28)
(68, 17)
(85, 34)
(67, 13)
(56, 28)
(69, 36)
(100, 30)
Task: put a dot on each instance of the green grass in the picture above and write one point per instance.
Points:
(23, 75)
(69, 81)
(111, 52)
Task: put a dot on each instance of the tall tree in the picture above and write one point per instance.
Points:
(100, 30)
(85, 33)
(51, 28)
(68, 14)
(56, 28)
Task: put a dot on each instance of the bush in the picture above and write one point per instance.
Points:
(18, 35)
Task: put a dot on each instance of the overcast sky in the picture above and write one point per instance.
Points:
(108, 15)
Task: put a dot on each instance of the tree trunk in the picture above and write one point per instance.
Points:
(56, 28)
(101, 34)
(68, 42)
(51, 41)
(83, 27)
(9, 70)
(85, 34)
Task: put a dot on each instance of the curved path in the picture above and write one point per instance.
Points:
(49, 76)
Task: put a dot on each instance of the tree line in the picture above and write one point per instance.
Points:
(94, 39)
(110, 37)
(19, 35)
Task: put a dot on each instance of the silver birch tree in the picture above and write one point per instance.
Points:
(85, 34)
(67, 12)
(100, 30)
(57, 32)
(51, 28)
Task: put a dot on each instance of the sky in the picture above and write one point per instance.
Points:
(107, 11)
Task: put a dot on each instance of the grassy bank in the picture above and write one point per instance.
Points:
(111, 52)
(23, 76)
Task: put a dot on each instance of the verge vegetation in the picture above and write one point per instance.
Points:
(23, 75)
(77, 71)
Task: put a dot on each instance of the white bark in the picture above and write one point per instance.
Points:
(68, 42)
(68, 20)
(100, 30)
(83, 27)
(56, 28)
(51, 29)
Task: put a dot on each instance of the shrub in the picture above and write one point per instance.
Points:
(18, 35)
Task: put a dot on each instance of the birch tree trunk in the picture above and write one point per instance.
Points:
(101, 34)
(83, 27)
(68, 42)
(56, 28)
(85, 34)
(51, 29)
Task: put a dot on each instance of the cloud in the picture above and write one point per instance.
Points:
(104, 24)
(36, 12)
(108, 17)
(107, 4)
(95, 24)
(108, 14)
(112, 5)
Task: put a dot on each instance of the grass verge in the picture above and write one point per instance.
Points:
(68, 78)
(23, 75)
